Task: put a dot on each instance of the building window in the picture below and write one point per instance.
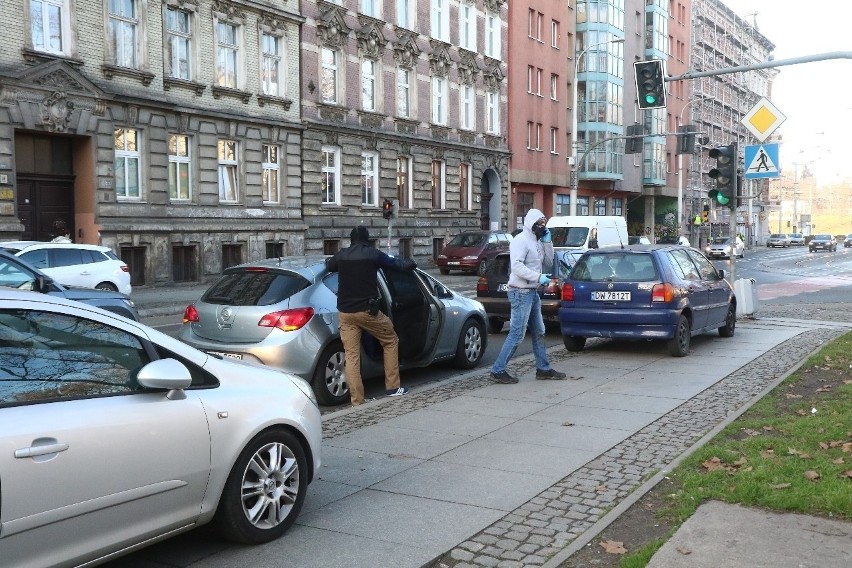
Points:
(127, 164)
(538, 73)
(50, 25)
(530, 78)
(121, 32)
(530, 134)
(227, 54)
(563, 204)
(467, 114)
(525, 202)
(441, 20)
(438, 188)
(274, 250)
(554, 34)
(328, 86)
(403, 92)
(465, 187)
(184, 263)
(493, 26)
(232, 255)
(533, 136)
(403, 181)
(228, 188)
(271, 173)
(178, 48)
(582, 206)
(554, 87)
(467, 26)
(370, 8)
(600, 206)
(330, 176)
(617, 206)
(554, 135)
(368, 85)
(271, 65)
(330, 247)
(404, 13)
(492, 112)
(439, 100)
(179, 168)
(369, 178)
(531, 23)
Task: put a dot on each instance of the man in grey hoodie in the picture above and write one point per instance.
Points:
(531, 260)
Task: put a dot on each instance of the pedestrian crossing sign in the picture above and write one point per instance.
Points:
(761, 161)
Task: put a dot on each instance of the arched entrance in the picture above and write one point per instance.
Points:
(490, 201)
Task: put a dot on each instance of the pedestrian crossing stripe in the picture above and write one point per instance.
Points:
(761, 161)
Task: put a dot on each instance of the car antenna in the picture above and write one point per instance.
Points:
(619, 239)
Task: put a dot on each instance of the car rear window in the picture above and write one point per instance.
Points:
(254, 288)
(615, 267)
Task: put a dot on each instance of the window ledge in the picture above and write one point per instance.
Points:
(34, 56)
(110, 71)
(263, 100)
(169, 82)
(219, 92)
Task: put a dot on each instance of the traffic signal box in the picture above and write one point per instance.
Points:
(387, 209)
(725, 174)
(705, 215)
(650, 83)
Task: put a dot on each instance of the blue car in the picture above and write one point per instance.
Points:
(666, 292)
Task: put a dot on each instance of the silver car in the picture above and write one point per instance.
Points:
(778, 240)
(720, 247)
(114, 436)
(283, 313)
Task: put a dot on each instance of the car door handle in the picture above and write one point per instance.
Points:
(34, 451)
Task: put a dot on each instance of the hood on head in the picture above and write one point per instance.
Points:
(532, 216)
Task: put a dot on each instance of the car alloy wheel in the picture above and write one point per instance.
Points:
(483, 267)
(471, 345)
(329, 382)
(679, 344)
(265, 489)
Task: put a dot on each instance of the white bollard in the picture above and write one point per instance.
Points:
(746, 291)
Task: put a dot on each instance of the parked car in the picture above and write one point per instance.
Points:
(116, 436)
(778, 240)
(493, 287)
(73, 264)
(638, 240)
(822, 242)
(662, 292)
(16, 273)
(720, 247)
(847, 242)
(283, 313)
(471, 251)
(797, 239)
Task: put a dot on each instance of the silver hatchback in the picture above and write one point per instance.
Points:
(283, 313)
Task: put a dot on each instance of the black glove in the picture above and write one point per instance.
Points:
(406, 264)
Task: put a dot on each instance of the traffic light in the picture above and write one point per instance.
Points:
(650, 83)
(634, 138)
(705, 215)
(387, 209)
(685, 139)
(725, 174)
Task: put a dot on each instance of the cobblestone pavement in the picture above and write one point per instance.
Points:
(546, 524)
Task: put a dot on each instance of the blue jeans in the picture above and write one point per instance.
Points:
(526, 312)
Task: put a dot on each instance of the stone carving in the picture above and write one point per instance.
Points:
(334, 114)
(371, 41)
(331, 26)
(440, 132)
(440, 60)
(271, 25)
(56, 112)
(493, 74)
(229, 11)
(405, 50)
(467, 67)
(494, 5)
(467, 138)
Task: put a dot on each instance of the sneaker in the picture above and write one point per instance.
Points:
(398, 392)
(503, 378)
(549, 374)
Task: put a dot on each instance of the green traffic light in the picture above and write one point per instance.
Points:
(718, 196)
(650, 99)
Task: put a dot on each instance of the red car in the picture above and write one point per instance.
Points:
(472, 251)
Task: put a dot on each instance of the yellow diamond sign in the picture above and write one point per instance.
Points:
(763, 119)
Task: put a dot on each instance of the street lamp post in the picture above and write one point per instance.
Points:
(573, 164)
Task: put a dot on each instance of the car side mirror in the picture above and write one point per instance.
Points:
(721, 274)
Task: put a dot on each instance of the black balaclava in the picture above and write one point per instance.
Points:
(360, 234)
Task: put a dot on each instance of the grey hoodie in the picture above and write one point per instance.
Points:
(530, 258)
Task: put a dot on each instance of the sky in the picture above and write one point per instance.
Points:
(815, 97)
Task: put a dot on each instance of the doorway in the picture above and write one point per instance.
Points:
(42, 201)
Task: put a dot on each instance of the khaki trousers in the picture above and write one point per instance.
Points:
(380, 327)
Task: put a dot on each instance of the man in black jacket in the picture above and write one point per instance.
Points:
(358, 308)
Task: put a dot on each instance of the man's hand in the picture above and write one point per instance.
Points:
(546, 237)
(543, 279)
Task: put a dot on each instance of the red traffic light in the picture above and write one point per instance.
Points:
(387, 209)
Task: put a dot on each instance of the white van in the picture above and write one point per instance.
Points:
(583, 232)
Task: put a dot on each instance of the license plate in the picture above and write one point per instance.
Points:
(610, 296)
(454, 263)
(237, 356)
(502, 287)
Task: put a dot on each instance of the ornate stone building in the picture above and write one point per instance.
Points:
(405, 101)
(168, 130)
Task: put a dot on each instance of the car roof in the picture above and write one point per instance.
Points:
(294, 263)
(35, 245)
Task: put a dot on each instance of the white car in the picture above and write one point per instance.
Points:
(720, 247)
(73, 264)
(114, 436)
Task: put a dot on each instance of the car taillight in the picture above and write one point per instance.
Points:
(287, 320)
(567, 292)
(125, 268)
(190, 314)
(482, 286)
(662, 293)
